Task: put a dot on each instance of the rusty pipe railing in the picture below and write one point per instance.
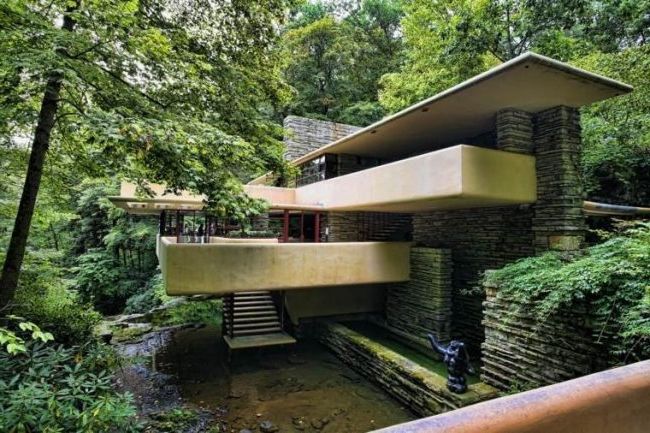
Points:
(612, 401)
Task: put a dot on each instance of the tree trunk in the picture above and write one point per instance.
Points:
(40, 145)
(55, 237)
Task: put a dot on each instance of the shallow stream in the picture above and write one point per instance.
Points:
(298, 388)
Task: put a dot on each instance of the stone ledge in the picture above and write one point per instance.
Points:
(422, 390)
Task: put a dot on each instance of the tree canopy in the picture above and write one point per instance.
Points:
(335, 54)
(171, 92)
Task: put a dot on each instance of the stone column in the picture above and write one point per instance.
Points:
(423, 304)
(559, 222)
(514, 131)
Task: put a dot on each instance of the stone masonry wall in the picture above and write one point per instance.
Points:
(519, 351)
(305, 135)
(559, 221)
(514, 131)
(421, 390)
(423, 304)
(368, 226)
(479, 239)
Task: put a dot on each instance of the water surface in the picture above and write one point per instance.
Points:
(299, 388)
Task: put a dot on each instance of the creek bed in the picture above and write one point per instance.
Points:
(299, 388)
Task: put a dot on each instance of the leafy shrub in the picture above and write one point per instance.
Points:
(192, 311)
(13, 343)
(141, 302)
(44, 296)
(250, 234)
(152, 296)
(101, 281)
(614, 277)
(54, 389)
(115, 251)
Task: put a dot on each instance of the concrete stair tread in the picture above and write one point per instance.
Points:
(252, 325)
(257, 331)
(264, 302)
(267, 308)
(245, 342)
(255, 318)
(251, 314)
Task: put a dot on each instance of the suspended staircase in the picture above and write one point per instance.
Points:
(252, 319)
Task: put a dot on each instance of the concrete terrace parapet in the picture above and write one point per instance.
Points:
(228, 267)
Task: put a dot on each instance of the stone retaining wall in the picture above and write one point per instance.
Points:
(423, 304)
(478, 239)
(305, 135)
(423, 391)
(519, 351)
(368, 226)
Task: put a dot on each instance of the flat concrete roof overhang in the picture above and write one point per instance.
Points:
(130, 202)
(530, 82)
(452, 178)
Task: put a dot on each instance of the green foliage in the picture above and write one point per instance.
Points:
(206, 312)
(616, 132)
(13, 343)
(173, 420)
(252, 234)
(152, 296)
(335, 56)
(44, 296)
(117, 251)
(175, 93)
(613, 277)
(53, 389)
(440, 41)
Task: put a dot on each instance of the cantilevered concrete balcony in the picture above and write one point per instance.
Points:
(457, 177)
(227, 267)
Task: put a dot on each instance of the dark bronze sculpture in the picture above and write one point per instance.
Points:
(457, 360)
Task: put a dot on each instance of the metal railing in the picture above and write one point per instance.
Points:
(612, 401)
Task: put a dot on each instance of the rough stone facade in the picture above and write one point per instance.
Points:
(514, 131)
(305, 135)
(519, 351)
(559, 222)
(423, 304)
(368, 226)
(420, 389)
(479, 239)
(489, 238)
